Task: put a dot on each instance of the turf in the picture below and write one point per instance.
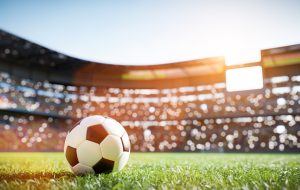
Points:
(156, 171)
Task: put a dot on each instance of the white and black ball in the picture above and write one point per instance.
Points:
(97, 145)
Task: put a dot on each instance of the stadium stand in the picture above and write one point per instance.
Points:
(171, 107)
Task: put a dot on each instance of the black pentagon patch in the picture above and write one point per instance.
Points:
(71, 156)
(125, 143)
(104, 166)
(96, 133)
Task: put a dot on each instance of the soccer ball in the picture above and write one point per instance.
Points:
(97, 144)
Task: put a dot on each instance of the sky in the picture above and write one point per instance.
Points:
(139, 32)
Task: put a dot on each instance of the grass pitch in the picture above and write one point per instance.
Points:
(156, 171)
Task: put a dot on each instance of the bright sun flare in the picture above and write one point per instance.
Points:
(247, 78)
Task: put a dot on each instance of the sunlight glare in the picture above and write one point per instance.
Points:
(242, 56)
(247, 78)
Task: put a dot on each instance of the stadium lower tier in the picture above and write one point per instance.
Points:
(243, 134)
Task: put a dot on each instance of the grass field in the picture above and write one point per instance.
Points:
(156, 171)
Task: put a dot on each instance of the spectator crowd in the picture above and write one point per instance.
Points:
(37, 115)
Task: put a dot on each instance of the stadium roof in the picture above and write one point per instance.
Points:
(24, 54)
(26, 59)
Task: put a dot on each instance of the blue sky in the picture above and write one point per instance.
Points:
(154, 31)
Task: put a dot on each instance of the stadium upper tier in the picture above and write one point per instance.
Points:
(25, 59)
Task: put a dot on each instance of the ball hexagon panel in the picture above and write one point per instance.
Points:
(111, 147)
(125, 142)
(121, 161)
(96, 133)
(71, 155)
(76, 136)
(81, 169)
(92, 120)
(104, 166)
(88, 153)
(113, 127)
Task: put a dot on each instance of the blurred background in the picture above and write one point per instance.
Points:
(195, 77)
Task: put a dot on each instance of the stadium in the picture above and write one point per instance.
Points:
(175, 107)
(149, 95)
(172, 107)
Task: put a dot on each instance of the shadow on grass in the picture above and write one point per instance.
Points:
(36, 176)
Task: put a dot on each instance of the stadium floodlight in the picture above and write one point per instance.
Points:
(246, 78)
(97, 145)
